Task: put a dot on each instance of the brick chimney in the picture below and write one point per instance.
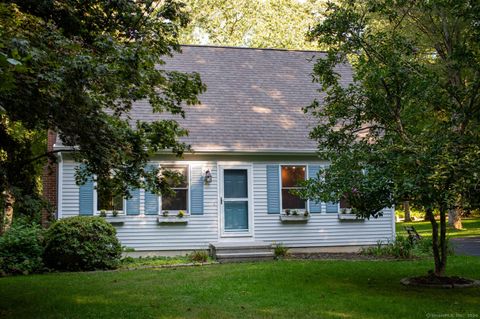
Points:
(49, 179)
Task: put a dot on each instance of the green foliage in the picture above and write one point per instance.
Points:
(199, 256)
(258, 24)
(82, 243)
(21, 249)
(281, 251)
(76, 69)
(401, 248)
(406, 126)
(404, 248)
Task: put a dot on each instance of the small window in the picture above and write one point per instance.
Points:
(179, 201)
(107, 200)
(292, 176)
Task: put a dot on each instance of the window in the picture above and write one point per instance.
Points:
(292, 176)
(179, 201)
(108, 200)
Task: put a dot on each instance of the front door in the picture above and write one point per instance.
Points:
(235, 199)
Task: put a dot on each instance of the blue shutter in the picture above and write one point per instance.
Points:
(196, 190)
(332, 207)
(151, 199)
(315, 206)
(86, 198)
(133, 203)
(151, 203)
(273, 189)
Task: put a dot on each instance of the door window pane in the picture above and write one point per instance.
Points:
(235, 183)
(236, 215)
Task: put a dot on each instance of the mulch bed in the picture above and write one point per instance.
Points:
(433, 281)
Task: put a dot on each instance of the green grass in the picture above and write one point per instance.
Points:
(471, 228)
(130, 262)
(282, 289)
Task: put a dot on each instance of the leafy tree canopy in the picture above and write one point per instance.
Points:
(75, 68)
(259, 24)
(407, 126)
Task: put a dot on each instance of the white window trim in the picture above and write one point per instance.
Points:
(189, 172)
(307, 202)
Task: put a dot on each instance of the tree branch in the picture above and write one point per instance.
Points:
(46, 154)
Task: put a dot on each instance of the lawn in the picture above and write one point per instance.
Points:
(471, 228)
(281, 289)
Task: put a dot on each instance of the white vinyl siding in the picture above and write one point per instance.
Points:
(320, 231)
(143, 233)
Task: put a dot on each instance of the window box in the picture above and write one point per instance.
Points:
(301, 218)
(117, 220)
(174, 220)
(352, 217)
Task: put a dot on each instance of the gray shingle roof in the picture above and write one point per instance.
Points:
(253, 101)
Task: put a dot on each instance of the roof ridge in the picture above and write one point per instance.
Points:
(249, 48)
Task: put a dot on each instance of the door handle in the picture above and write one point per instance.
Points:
(221, 200)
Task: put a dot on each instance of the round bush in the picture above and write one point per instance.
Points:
(21, 249)
(82, 243)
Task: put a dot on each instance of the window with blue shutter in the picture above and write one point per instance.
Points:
(133, 203)
(273, 189)
(315, 206)
(196, 190)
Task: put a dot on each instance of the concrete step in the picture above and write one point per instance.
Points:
(244, 256)
(241, 251)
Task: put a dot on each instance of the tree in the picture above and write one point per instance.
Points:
(262, 24)
(406, 209)
(76, 68)
(407, 126)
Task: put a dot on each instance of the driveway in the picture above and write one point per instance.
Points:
(469, 246)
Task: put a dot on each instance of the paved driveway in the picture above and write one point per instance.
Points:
(466, 246)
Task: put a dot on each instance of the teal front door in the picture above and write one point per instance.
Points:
(235, 201)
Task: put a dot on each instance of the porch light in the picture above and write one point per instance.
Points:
(208, 177)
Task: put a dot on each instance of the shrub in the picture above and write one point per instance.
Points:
(423, 247)
(281, 251)
(402, 247)
(21, 249)
(82, 243)
(198, 256)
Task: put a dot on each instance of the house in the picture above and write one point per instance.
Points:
(251, 145)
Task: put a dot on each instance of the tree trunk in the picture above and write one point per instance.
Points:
(406, 209)
(443, 242)
(439, 267)
(6, 217)
(454, 218)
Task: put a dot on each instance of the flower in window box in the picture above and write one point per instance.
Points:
(181, 214)
(165, 213)
(103, 213)
(306, 213)
(115, 213)
(287, 212)
(295, 212)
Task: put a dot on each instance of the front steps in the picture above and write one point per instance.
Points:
(241, 251)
